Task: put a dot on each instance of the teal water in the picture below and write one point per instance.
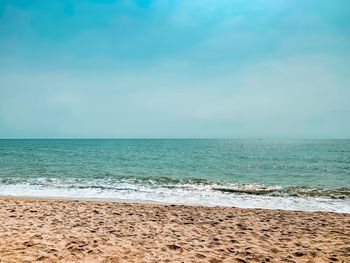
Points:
(299, 174)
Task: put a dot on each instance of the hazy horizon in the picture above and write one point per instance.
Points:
(183, 138)
(175, 69)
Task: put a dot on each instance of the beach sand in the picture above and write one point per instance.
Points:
(44, 230)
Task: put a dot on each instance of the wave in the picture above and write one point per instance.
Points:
(132, 183)
(295, 191)
(181, 191)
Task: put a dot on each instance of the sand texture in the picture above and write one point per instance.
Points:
(39, 230)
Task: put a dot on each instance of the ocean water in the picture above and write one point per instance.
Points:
(312, 175)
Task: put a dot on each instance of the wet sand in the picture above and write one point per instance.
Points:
(47, 230)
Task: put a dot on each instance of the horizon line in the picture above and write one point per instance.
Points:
(177, 138)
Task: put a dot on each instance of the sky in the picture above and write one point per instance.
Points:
(174, 69)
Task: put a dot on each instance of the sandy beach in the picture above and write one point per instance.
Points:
(45, 230)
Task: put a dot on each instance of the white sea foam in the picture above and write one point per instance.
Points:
(189, 194)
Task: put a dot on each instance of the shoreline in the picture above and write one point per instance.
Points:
(152, 202)
(87, 199)
(67, 230)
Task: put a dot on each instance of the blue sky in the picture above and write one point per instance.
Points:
(155, 69)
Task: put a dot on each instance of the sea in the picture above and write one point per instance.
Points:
(308, 175)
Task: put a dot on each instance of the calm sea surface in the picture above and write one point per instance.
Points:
(287, 174)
